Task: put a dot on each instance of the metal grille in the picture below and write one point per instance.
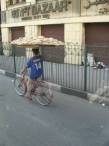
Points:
(79, 70)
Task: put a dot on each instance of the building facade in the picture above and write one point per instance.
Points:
(78, 21)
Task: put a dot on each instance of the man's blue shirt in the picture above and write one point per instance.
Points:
(35, 67)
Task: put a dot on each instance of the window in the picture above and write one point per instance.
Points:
(13, 2)
(10, 2)
(17, 1)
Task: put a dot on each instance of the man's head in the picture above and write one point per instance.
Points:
(35, 51)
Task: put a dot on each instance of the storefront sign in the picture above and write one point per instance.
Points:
(40, 10)
(96, 2)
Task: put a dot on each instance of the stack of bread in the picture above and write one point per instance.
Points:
(40, 40)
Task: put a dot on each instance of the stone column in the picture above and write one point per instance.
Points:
(3, 5)
(29, 32)
(5, 39)
(74, 38)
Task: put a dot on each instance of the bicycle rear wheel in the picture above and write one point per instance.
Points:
(19, 86)
(44, 96)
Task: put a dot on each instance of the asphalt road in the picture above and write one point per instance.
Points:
(68, 121)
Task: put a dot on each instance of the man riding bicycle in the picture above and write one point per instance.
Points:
(34, 69)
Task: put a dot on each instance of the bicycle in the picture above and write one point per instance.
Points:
(41, 90)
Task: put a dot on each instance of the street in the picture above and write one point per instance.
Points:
(68, 121)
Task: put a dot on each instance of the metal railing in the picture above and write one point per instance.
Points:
(83, 67)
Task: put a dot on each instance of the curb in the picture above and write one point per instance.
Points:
(2, 71)
(13, 75)
(55, 87)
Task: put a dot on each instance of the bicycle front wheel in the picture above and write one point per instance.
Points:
(19, 86)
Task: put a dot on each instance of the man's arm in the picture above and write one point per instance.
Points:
(24, 70)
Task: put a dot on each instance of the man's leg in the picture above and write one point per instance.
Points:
(29, 88)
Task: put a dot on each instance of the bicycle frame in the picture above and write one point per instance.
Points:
(36, 84)
(40, 89)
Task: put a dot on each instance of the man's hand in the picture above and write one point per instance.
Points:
(23, 71)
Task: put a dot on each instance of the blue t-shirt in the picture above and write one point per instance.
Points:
(35, 68)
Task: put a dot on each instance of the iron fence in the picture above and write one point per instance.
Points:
(83, 68)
